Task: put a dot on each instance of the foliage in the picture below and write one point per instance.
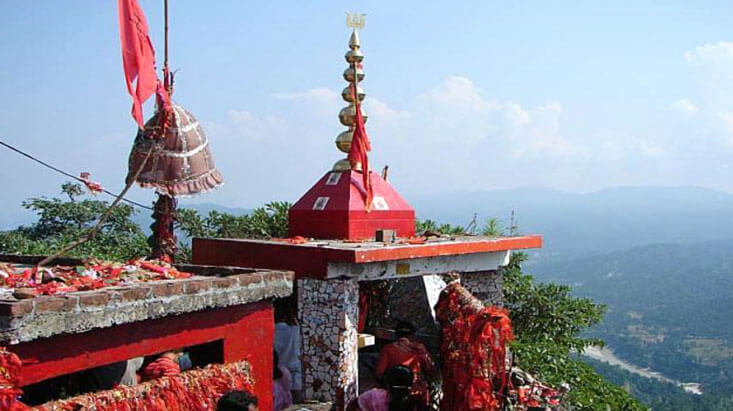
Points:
(268, 221)
(430, 226)
(263, 222)
(63, 221)
(492, 228)
(548, 323)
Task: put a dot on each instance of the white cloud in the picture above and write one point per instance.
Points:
(685, 106)
(717, 52)
(454, 136)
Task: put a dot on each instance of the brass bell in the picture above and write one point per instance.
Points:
(354, 56)
(343, 140)
(347, 94)
(349, 74)
(342, 165)
(347, 115)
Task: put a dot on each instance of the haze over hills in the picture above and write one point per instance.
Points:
(575, 225)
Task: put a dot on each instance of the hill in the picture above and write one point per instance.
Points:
(669, 306)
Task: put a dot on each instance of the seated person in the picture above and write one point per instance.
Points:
(133, 366)
(395, 396)
(411, 353)
(163, 366)
(102, 378)
(237, 401)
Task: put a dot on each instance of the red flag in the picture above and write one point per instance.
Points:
(138, 56)
(360, 147)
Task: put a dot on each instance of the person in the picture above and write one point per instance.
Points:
(130, 377)
(409, 352)
(237, 400)
(102, 378)
(164, 366)
(282, 398)
(395, 396)
(287, 342)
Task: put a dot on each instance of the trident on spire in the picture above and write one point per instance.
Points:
(355, 21)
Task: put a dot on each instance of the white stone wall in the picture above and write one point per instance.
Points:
(485, 285)
(328, 312)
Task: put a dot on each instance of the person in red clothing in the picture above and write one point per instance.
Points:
(409, 352)
(163, 366)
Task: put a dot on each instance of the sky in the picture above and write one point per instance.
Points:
(470, 96)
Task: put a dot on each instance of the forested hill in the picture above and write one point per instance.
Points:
(670, 306)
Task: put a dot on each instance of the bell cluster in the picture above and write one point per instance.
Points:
(353, 75)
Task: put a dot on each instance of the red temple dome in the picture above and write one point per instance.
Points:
(335, 207)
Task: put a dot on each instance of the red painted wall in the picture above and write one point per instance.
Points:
(247, 332)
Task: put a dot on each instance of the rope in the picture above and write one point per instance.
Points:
(94, 231)
(76, 178)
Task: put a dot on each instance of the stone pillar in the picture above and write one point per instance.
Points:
(328, 311)
(485, 285)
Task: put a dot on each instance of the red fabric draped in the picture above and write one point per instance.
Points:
(360, 147)
(474, 351)
(138, 57)
(162, 367)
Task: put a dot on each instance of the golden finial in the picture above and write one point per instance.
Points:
(355, 21)
(353, 75)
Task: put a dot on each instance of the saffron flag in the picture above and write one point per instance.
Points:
(360, 146)
(138, 56)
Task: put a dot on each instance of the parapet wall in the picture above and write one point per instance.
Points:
(77, 312)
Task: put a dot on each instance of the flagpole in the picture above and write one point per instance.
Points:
(166, 80)
(163, 239)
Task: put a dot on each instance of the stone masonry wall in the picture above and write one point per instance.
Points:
(328, 312)
(485, 285)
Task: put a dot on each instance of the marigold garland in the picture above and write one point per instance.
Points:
(91, 275)
(195, 390)
(9, 375)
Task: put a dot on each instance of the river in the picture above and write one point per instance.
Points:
(607, 356)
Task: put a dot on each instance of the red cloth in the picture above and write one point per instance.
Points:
(162, 367)
(138, 56)
(360, 146)
(411, 354)
(474, 351)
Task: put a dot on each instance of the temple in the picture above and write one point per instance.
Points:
(341, 250)
(353, 263)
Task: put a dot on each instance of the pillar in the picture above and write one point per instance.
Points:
(485, 285)
(328, 311)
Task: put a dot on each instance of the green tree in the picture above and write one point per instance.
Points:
(63, 221)
(430, 226)
(268, 221)
(492, 228)
(548, 324)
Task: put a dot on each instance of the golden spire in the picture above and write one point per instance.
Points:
(353, 75)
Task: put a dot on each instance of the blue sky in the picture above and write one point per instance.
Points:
(461, 96)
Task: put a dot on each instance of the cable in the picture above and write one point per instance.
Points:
(58, 170)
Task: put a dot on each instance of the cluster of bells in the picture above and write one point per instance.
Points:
(347, 116)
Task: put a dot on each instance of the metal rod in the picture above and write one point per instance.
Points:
(165, 34)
